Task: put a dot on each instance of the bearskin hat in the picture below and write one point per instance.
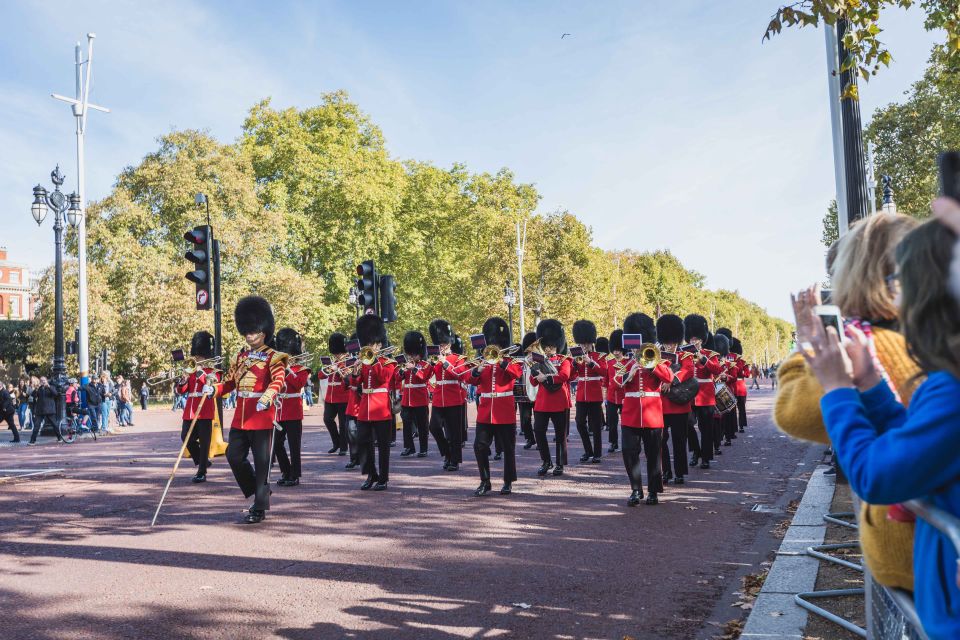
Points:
(723, 331)
(695, 326)
(603, 345)
(721, 344)
(584, 332)
(550, 333)
(456, 345)
(616, 340)
(670, 329)
(289, 341)
(441, 332)
(528, 340)
(640, 323)
(254, 315)
(415, 344)
(497, 331)
(370, 329)
(201, 345)
(736, 346)
(337, 344)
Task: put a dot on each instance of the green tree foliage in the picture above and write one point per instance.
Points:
(831, 225)
(909, 135)
(15, 341)
(305, 195)
(866, 52)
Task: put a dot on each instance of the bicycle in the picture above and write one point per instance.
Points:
(71, 427)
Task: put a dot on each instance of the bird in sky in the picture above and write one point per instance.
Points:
(564, 36)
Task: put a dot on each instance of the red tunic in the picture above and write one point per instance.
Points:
(704, 373)
(414, 385)
(448, 392)
(375, 381)
(258, 377)
(352, 384)
(193, 387)
(683, 374)
(337, 392)
(742, 374)
(495, 386)
(641, 397)
(291, 398)
(614, 391)
(590, 380)
(552, 401)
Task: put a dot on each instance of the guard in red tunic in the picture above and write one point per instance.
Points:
(614, 392)
(336, 398)
(740, 389)
(201, 348)
(449, 402)
(721, 421)
(706, 366)
(552, 378)
(414, 379)
(522, 398)
(257, 375)
(290, 411)
(642, 411)
(374, 414)
(457, 347)
(590, 374)
(352, 383)
(675, 414)
(497, 414)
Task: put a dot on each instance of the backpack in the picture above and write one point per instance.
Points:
(682, 392)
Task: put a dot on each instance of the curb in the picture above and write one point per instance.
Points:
(775, 616)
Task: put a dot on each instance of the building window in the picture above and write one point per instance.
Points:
(14, 277)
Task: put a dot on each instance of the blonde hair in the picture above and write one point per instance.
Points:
(865, 258)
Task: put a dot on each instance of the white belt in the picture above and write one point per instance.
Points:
(704, 380)
(194, 395)
(289, 395)
(499, 394)
(369, 391)
(413, 386)
(589, 378)
(442, 382)
(249, 394)
(335, 384)
(642, 394)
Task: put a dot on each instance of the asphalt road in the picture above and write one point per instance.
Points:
(561, 558)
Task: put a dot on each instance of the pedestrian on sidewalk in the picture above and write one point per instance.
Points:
(45, 410)
(93, 404)
(108, 390)
(144, 395)
(23, 402)
(8, 409)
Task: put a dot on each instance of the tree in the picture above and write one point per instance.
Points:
(865, 50)
(831, 225)
(15, 341)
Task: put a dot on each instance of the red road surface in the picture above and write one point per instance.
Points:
(561, 558)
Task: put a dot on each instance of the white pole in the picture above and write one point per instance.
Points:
(521, 245)
(833, 84)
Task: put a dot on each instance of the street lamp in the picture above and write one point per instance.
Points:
(65, 209)
(509, 299)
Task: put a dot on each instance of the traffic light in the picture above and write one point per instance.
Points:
(367, 285)
(198, 253)
(388, 298)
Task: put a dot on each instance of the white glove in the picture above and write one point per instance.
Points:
(262, 406)
(207, 390)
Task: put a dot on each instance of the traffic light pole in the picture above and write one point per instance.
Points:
(217, 326)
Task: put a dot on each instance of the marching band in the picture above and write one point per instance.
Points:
(654, 385)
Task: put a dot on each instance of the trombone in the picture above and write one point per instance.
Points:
(369, 355)
(304, 360)
(334, 366)
(185, 368)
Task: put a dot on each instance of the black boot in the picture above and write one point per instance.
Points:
(291, 482)
(727, 442)
(544, 468)
(596, 460)
(406, 452)
(635, 498)
(506, 489)
(351, 465)
(282, 481)
(558, 470)
(255, 516)
(369, 482)
(613, 448)
(200, 477)
(667, 477)
(453, 466)
(652, 499)
(679, 480)
(422, 454)
(380, 486)
(705, 465)
(498, 456)
(334, 450)
(529, 444)
(585, 457)
(694, 461)
(483, 489)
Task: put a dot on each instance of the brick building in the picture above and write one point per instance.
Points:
(16, 301)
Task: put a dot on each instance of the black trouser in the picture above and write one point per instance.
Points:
(676, 424)
(613, 422)
(526, 420)
(367, 432)
(13, 427)
(507, 434)
(742, 411)
(446, 425)
(143, 403)
(706, 444)
(334, 414)
(590, 414)
(719, 422)
(293, 433)
(351, 426)
(39, 421)
(198, 446)
(252, 479)
(415, 420)
(632, 437)
(465, 435)
(560, 421)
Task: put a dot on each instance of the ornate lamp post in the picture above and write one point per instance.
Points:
(509, 299)
(65, 209)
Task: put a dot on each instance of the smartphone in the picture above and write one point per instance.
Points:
(177, 355)
(829, 315)
(949, 165)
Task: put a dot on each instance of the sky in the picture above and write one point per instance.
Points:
(661, 124)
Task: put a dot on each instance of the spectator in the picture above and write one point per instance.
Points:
(124, 402)
(32, 405)
(308, 392)
(45, 410)
(108, 391)
(8, 409)
(755, 370)
(144, 396)
(878, 442)
(861, 265)
(23, 402)
(94, 400)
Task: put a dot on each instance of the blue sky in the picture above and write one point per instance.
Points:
(660, 124)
